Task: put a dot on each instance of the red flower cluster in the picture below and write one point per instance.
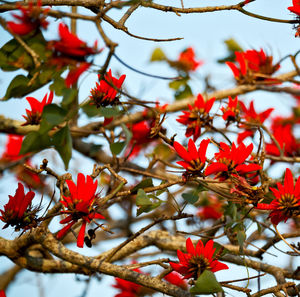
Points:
(34, 116)
(18, 211)
(187, 60)
(231, 161)
(197, 117)
(254, 66)
(11, 154)
(81, 204)
(32, 18)
(127, 288)
(230, 112)
(197, 260)
(213, 210)
(287, 201)
(2, 293)
(106, 90)
(72, 51)
(194, 160)
(252, 117)
(283, 133)
(296, 9)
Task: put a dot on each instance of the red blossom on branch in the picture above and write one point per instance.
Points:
(187, 60)
(197, 260)
(231, 160)
(231, 111)
(18, 211)
(127, 288)
(251, 116)
(34, 116)
(283, 133)
(12, 154)
(197, 117)
(71, 51)
(296, 9)
(287, 201)
(81, 204)
(253, 66)
(212, 210)
(194, 160)
(105, 92)
(33, 17)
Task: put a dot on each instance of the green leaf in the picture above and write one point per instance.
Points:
(176, 84)
(58, 86)
(109, 112)
(62, 141)
(241, 237)
(34, 141)
(16, 87)
(46, 75)
(117, 147)
(90, 110)
(146, 203)
(142, 185)
(190, 197)
(158, 55)
(53, 114)
(186, 92)
(206, 284)
(159, 192)
(128, 133)
(69, 95)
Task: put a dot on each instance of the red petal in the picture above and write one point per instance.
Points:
(215, 167)
(80, 238)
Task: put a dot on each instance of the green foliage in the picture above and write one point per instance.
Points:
(193, 196)
(117, 147)
(206, 284)
(183, 93)
(158, 55)
(146, 203)
(145, 183)
(62, 141)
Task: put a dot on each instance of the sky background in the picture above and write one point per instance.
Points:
(206, 34)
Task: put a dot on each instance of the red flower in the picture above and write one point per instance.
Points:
(194, 160)
(287, 201)
(254, 66)
(72, 51)
(32, 18)
(18, 211)
(11, 153)
(231, 112)
(286, 140)
(213, 210)
(197, 117)
(197, 260)
(141, 136)
(70, 45)
(104, 94)
(230, 160)
(251, 116)
(187, 60)
(81, 204)
(296, 9)
(127, 288)
(75, 72)
(34, 115)
(12, 149)
(2, 293)
(175, 279)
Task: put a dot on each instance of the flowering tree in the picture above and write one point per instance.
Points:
(207, 193)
